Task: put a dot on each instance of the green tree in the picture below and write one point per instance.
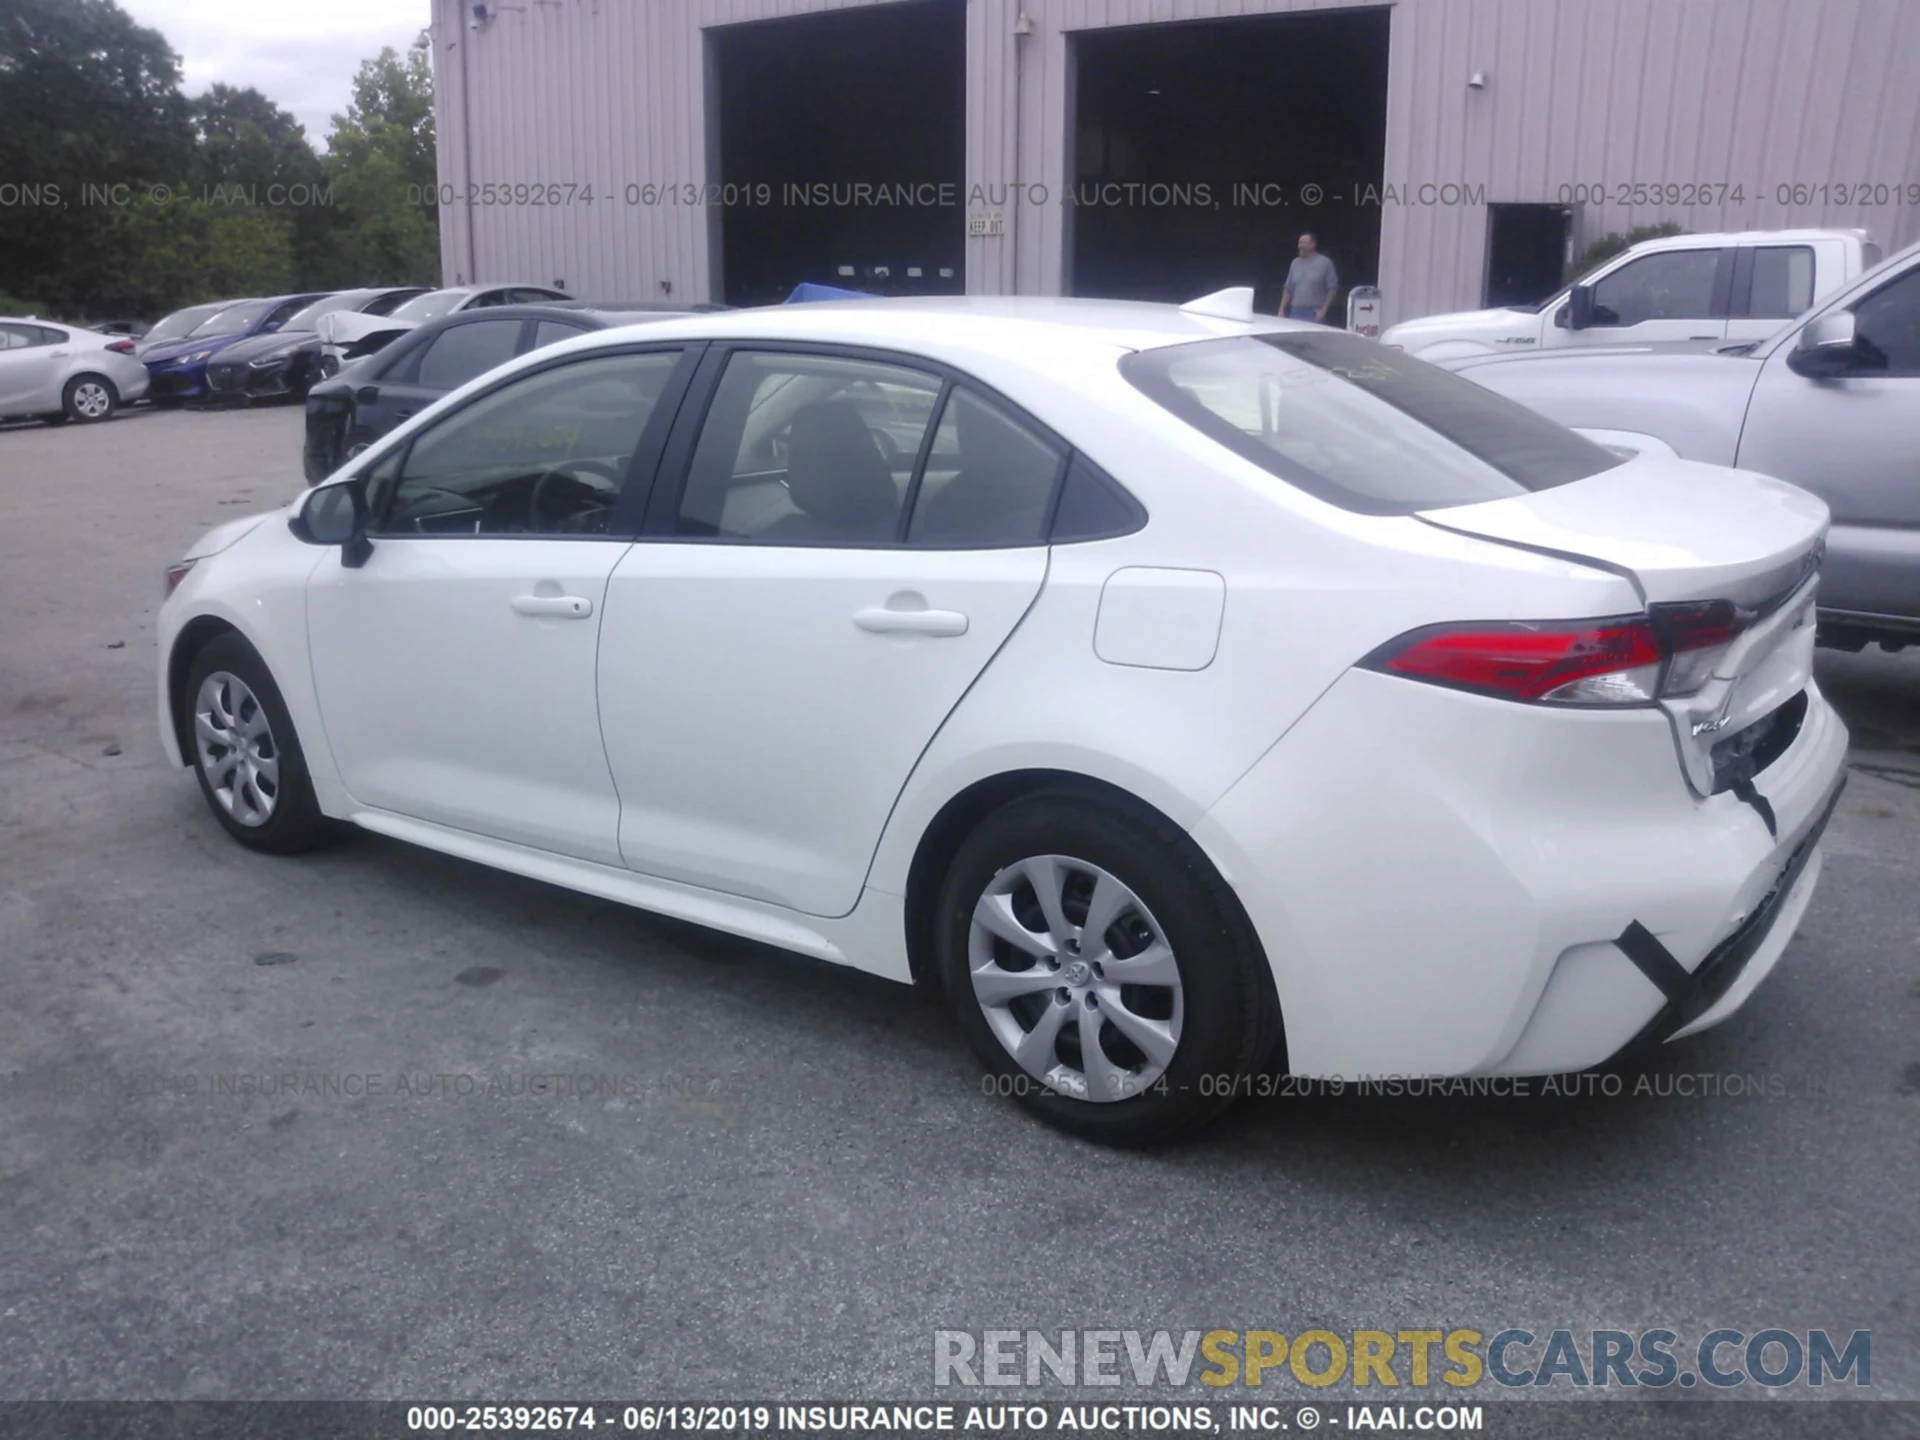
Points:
(87, 99)
(244, 139)
(188, 251)
(380, 159)
(251, 154)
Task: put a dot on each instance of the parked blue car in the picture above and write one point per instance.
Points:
(178, 368)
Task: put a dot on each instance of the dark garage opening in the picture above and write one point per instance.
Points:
(1220, 125)
(1527, 252)
(813, 108)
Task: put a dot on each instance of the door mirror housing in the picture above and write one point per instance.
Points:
(1580, 307)
(1827, 347)
(336, 515)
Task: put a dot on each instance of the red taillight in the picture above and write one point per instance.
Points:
(1622, 660)
(121, 347)
(1551, 660)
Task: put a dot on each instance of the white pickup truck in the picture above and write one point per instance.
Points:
(1730, 287)
(1830, 402)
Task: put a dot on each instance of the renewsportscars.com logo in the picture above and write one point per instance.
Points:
(1645, 1359)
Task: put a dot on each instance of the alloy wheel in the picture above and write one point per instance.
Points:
(236, 749)
(1075, 978)
(91, 399)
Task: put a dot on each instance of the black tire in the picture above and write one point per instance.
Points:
(295, 822)
(1229, 1027)
(73, 399)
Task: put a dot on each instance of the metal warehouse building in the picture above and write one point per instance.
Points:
(1455, 152)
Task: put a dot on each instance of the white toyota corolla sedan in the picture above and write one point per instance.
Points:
(1188, 696)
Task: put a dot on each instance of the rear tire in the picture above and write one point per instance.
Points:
(89, 398)
(245, 752)
(1173, 992)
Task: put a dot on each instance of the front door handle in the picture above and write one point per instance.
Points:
(883, 620)
(557, 607)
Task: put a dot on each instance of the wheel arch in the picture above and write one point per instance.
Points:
(84, 373)
(968, 807)
(191, 640)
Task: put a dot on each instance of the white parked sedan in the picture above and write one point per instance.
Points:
(1181, 692)
(59, 373)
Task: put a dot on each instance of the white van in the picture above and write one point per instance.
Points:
(1730, 287)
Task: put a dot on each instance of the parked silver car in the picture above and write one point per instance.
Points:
(59, 373)
(1830, 402)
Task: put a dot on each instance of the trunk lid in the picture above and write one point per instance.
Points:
(1687, 534)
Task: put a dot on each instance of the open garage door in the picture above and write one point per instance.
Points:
(1196, 145)
(842, 142)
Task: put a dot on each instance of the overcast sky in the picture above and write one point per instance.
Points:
(300, 56)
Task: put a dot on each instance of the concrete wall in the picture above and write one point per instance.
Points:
(1746, 94)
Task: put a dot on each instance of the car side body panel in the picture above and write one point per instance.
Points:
(1694, 401)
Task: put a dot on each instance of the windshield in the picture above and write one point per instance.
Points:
(304, 319)
(179, 323)
(430, 306)
(1361, 426)
(231, 319)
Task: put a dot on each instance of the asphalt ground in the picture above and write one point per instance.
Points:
(792, 1178)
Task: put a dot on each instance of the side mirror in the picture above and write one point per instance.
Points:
(1826, 348)
(1580, 307)
(336, 515)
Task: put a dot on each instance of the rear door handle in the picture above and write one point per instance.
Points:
(882, 620)
(558, 607)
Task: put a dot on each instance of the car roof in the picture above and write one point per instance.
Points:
(549, 310)
(1750, 237)
(1005, 325)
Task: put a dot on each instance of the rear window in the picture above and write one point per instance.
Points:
(1361, 426)
(179, 323)
(233, 318)
(430, 306)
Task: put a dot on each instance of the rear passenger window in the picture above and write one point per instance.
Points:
(807, 450)
(989, 479)
(552, 332)
(25, 337)
(1093, 506)
(1782, 281)
(460, 352)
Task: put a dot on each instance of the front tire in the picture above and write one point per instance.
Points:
(1102, 971)
(245, 752)
(88, 398)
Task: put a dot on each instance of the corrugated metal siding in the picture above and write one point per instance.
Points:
(1752, 93)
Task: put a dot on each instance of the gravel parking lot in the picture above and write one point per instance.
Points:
(380, 1123)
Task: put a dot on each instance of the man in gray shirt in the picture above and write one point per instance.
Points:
(1311, 283)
